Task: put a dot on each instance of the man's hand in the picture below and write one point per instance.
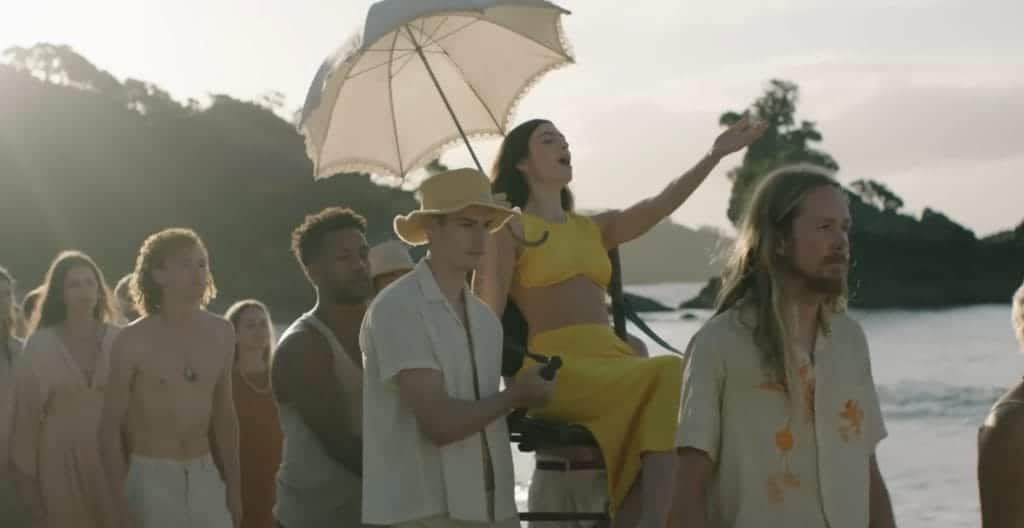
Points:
(531, 390)
(234, 499)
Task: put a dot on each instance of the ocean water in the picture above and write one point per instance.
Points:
(937, 373)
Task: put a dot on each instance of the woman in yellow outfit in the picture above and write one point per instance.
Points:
(630, 404)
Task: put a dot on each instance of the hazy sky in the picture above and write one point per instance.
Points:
(925, 95)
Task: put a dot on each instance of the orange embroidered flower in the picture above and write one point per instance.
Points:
(773, 487)
(853, 416)
(777, 483)
(784, 440)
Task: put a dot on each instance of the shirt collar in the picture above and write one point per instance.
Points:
(427, 282)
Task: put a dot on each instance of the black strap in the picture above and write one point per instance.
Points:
(615, 292)
(622, 309)
(634, 318)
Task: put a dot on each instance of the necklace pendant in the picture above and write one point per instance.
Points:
(190, 375)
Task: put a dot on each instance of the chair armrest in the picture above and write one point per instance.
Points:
(532, 433)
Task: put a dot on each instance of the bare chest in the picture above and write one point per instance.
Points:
(185, 360)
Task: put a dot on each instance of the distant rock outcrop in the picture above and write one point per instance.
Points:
(672, 252)
(705, 299)
(903, 262)
(644, 304)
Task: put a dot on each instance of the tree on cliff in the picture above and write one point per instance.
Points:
(877, 194)
(93, 163)
(784, 142)
(899, 260)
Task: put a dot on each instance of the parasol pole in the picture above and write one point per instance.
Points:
(448, 105)
(458, 125)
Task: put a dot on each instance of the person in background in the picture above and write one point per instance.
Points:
(12, 507)
(317, 374)
(389, 261)
(61, 382)
(28, 310)
(125, 302)
(1001, 447)
(260, 438)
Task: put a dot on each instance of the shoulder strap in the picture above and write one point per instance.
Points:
(319, 325)
(622, 309)
(345, 367)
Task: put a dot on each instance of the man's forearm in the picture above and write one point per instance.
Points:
(880, 507)
(690, 507)
(227, 436)
(114, 465)
(454, 420)
(693, 516)
(694, 478)
(27, 488)
(882, 515)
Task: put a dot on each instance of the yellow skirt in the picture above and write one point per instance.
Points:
(630, 404)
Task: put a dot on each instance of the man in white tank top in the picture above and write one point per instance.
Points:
(317, 377)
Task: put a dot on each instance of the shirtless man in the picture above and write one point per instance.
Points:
(169, 394)
(1001, 448)
(317, 377)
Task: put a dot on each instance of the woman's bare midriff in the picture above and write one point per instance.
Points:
(578, 300)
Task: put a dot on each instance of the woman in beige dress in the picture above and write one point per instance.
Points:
(12, 508)
(59, 384)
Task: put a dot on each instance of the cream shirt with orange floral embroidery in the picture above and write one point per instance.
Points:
(793, 462)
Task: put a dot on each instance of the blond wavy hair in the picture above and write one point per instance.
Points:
(754, 269)
(145, 291)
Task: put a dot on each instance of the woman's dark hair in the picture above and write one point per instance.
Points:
(52, 309)
(234, 314)
(508, 179)
(506, 176)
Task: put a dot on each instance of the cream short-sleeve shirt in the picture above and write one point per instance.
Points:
(782, 461)
(406, 477)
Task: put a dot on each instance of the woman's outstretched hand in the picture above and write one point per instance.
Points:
(739, 135)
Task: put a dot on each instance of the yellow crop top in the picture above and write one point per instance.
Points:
(573, 248)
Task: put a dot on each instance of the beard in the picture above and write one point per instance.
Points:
(834, 285)
(352, 291)
(823, 281)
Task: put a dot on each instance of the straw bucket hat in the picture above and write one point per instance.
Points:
(450, 192)
(389, 256)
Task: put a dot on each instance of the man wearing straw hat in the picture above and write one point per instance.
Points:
(436, 449)
(388, 262)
